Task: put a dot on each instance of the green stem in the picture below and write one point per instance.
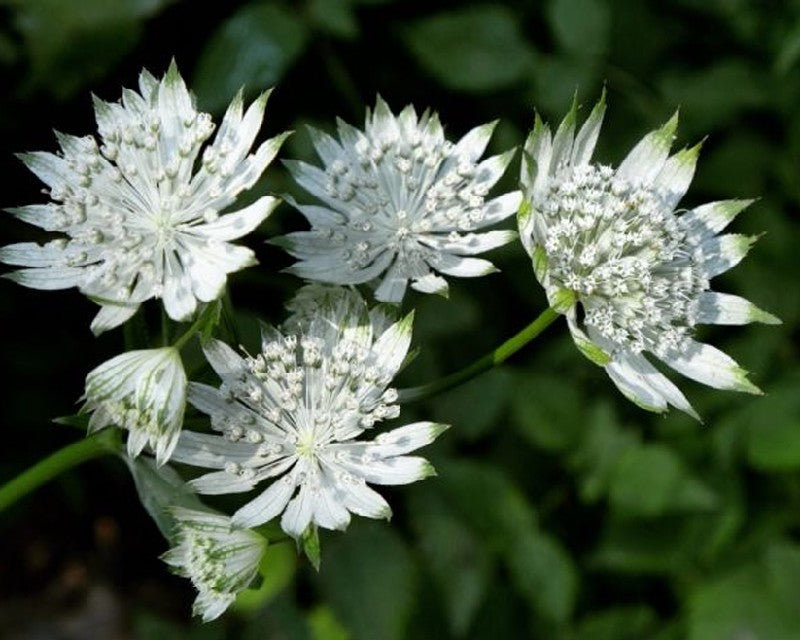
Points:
(164, 327)
(491, 359)
(199, 322)
(94, 446)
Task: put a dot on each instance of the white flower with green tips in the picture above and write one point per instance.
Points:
(400, 204)
(138, 221)
(612, 240)
(290, 415)
(143, 392)
(220, 560)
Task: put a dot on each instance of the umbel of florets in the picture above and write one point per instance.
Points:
(612, 240)
(401, 204)
(139, 209)
(290, 417)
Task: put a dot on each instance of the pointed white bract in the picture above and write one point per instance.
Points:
(639, 269)
(290, 415)
(400, 204)
(143, 392)
(218, 559)
(138, 221)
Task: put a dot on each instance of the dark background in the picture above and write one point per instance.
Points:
(561, 511)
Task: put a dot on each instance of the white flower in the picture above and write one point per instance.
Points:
(144, 392)
(293, 412)
(140, 223)
(612, 239)
(400, 203)
(218, 559)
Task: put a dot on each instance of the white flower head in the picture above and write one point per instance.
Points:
(401, 203)
(291, 415)
(220, 560)
(138, 221)
(640, 270)
(143, 392)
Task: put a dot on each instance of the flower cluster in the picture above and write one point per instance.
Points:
(138, 221)
(219, 560)
(291, 415)
(639, 269)
(143, 392)
(401, 203)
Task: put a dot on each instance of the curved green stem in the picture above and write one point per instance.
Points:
(201, 321)
(491, 359)
(72, 455)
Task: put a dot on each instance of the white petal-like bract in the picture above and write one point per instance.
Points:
(140, 209)
(290, 416)
(219, 559)
(401, 203)
(638, 268)
(143, 392)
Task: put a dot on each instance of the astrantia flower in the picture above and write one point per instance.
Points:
(139, 221)
(290, 415)
(639, 269)
(401, 204)
(219, 560)
(141, 391)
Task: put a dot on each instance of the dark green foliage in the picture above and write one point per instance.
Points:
(560, 511)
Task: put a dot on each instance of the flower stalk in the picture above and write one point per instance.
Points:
(94, 446)
(488, 361)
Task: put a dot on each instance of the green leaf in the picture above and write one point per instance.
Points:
(487, 500)
(325, 626)
(457, 560)
(658, 546)
(478, 48)
(544, 574)
(581, 27)
(253, 48)
(773, 429)
(277, 568)
(336, 17)
(369, 579)
(477, 407)
(311, 546)
(782, 565)
(652, 480)
(602, 444)
(714, 95)
(621, 623)
(160, 488)
(740, 605)
(69, 46)
(547, 412)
